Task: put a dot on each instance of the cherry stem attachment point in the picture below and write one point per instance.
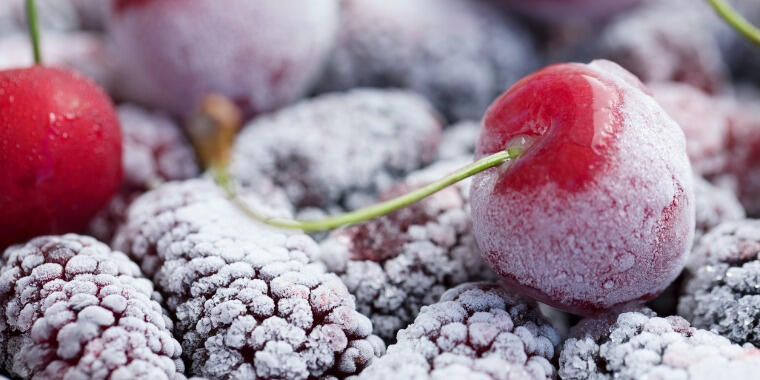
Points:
(736, 20)
(34, 29)
(225, 180)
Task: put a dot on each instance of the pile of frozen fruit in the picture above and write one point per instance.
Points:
(610, 237)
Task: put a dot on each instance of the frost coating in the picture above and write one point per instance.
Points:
(72, 308)
(713, 205)
(722, 294)
(338, 151)
(396, 43)
(640, 345)
(459, 140)
(476, 331)
(154, 151)
(705, 123)
(396, 264)
(262, 54)
(686, 47)
(248, 300)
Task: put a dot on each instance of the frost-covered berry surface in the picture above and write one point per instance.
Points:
(74, 309)
(459, 140)
(154, 151)
(476, 331)
(339, 151)
(713, 205)
(722, 293)
(460, 54)
(668, 40)
(743, 149)
(398, 263)
(640, 345)
(248, 300)
(262, 54)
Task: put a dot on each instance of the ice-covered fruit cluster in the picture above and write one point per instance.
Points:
(395, 43)
(73, 309)
(722, 293)
(260, 53)
(396, 264)
(599, 209)
(640, 345)
(58, 132)
(249, 301)
(154, 151)
(476, 331)
(338, 151)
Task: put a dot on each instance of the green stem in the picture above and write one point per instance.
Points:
(736, 20)
(34, 29)
(225, 180)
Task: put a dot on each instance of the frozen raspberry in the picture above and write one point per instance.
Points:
(476, 330)
(460, 54)
(339, 151)
(154, 151)
(713, 205)
(398, 263)
(683, 35)
(84, 52)
(722, 293)
(553, 11)
(260, 53)
(640, 345)
(599, 209)
(459, 140)
(704, 121)
(74, 309)
(249, 301)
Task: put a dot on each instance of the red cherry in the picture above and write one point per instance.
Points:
(60, 152)
(598, 211)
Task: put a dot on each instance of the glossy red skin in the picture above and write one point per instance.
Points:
(573, 112)
(60, 152)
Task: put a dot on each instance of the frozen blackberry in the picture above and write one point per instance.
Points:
(713, 205)
(683, 35)
(640, 345)
(249, 301)
(395, 43)
(722, 293)
(339, 151)
(154, 151)
(459, 140)
(476, 330)
(82, 51)
(398, 263)
(72, 309)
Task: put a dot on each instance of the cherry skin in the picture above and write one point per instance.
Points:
(60, 152)
(599, 210)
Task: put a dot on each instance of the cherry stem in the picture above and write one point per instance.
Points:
(736, 20)
(34, 29)
(225, 180)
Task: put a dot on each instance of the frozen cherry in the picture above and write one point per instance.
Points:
(60, 152)
(262, 54)
(599, 209)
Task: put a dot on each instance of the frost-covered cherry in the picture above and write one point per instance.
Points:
(249, 301)
(599, 209)
(742, 171)
(476, 331)
(260, 53)
(460, 54)
(704, 120)
(71, 308)
(60, 152)
(154, 151)
(562, 10)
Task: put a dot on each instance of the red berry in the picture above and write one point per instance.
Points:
(60, 152)
(262, 54)
(599, 210)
